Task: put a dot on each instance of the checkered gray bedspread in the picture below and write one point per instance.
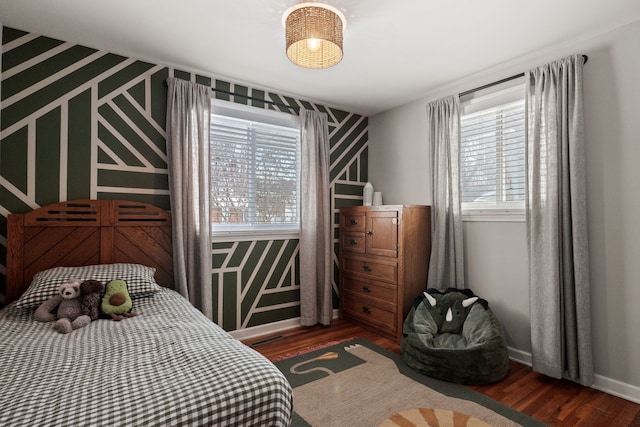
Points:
(169, 366)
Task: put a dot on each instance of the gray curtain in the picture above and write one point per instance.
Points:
(188, 119)
(557, 222)
(316, 264)
(446, 267)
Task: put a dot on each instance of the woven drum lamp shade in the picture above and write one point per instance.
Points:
(314, 35)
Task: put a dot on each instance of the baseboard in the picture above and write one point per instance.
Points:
(270, 328)
(610, 386)
(617, 388)
(519, 356)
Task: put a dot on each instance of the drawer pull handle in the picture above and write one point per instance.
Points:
(353, 222)
(366, 310)
(366, 268)
(353, 242)
(370, 233)
(366, 289)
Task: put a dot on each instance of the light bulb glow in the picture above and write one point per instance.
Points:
(313, 44)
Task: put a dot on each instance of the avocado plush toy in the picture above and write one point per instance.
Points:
(116, 301)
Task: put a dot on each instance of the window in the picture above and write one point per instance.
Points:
(255, 172)
(492, 154)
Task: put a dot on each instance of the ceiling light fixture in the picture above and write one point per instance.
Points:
(314, 35)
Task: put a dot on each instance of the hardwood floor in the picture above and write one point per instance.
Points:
(554, 402)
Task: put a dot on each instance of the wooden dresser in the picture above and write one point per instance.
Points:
(384, 260)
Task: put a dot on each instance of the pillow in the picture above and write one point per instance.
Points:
(44, 285)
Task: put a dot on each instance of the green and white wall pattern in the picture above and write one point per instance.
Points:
(79, 123)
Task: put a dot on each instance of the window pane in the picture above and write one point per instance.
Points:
(276, 184)
(492, 157)
(254, 174)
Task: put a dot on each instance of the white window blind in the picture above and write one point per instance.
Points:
(492, 152)
(254, 172)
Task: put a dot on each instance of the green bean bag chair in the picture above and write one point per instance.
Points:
(452, 335)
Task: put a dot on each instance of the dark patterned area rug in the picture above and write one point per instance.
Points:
(356, 383)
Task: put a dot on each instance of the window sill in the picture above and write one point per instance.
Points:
(244, 236)
(494, 215)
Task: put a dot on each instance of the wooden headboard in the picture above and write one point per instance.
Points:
(86, 232)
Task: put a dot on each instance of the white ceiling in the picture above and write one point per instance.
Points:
(394, 51)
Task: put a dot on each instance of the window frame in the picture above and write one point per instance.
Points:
(245, 231)
(501, 94)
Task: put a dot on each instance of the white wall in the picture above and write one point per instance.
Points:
(399, 168)
(496, 256)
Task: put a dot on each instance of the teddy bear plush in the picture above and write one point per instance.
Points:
(68, 308)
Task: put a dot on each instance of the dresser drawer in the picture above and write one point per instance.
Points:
(385, 293)
(374, 269)
(365, 309)
(353, 222)
(352, 242)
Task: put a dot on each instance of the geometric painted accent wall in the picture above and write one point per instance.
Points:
(78, 123)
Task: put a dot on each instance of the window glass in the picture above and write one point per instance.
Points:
(492, 152)
(255, 173)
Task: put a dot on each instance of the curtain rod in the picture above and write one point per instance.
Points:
(517, 76)
(251, 98)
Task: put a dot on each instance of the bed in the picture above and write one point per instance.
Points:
(168, 366)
